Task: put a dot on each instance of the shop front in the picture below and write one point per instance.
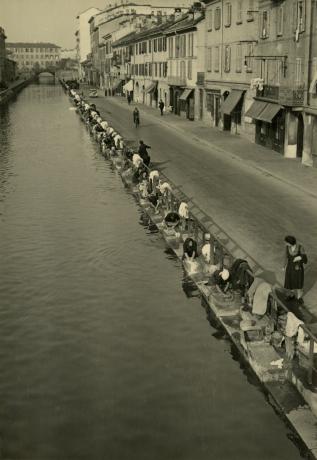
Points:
(175, 94)
(213, 106)
(270, 124)
(231, 109)
(187, 103)
(151, 94)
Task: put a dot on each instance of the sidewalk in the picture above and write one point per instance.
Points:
(290, 171)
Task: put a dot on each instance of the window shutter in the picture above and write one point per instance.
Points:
(295, 9)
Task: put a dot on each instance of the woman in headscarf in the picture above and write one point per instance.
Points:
(294, 269)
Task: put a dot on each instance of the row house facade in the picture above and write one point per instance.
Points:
(280, 85)
(148, 66)
(231, 34)
(2, 54)
(110, 20)
(310, 108)
(82, 36)
(185, 64)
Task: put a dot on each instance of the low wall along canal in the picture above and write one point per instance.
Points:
(105, 349)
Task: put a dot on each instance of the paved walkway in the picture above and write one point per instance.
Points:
(205, 160)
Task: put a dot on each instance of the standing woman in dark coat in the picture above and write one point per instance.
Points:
(294, 270)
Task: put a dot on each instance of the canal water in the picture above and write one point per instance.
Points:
(104, 351)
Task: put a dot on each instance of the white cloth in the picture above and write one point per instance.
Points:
(153, 174)
(165, 187)
(292, 324)
(300, 336)
(260, 298)
(183, 210)
(206, 251)
(104, 124)
(136, 160)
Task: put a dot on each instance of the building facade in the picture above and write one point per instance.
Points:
(83, 42)
(30, 56)
(280, 83)
(185, 64)
(122, 18)
(2, 54)
(231, 35)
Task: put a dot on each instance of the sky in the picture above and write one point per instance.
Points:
(51, 20)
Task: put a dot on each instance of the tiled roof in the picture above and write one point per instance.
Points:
(184, 23)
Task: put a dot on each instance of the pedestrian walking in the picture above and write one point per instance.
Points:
(294, 268)
(136, 117)
(161, 106)
(129, 99)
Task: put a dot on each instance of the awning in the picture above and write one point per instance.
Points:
(185, 94)
(256, 108)
(128, 86)
(151, 87)
(116, 85)
(269, 112)
(232, 101)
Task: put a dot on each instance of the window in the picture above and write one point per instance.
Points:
(299, 13)
(250, 12)
(239, 12)
(165, 69)
(217, 18)
(298, 72)
(228, 9)
(249, 60)
(160, 69)
(150, 46)
(164, 44)
(183, 69)
(155, 45)
(239, 57)
(227, 58)
(177, 46)
(150, 69)
(160, 44)
(155, 69)
(279, 21)
(217, 60)
(190, 69)
(170, 47)
(190, 41)
(264, 24)
(278, 72)
(209, 55)
(209, 20)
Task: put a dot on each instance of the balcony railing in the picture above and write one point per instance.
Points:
(176, 81)
(284, 95)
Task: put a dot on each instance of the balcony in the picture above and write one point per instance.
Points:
(284, 95)
(176, 81)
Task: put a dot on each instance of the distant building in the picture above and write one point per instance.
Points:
(7, 65)
(31, 55)
(2, 53)
(83, 46)
(69, 54)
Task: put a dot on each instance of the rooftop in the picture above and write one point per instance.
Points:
(31, 45)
